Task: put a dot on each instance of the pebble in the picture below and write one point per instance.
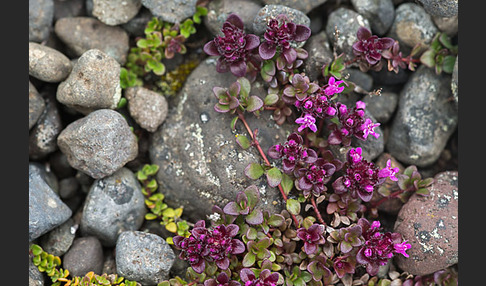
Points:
(318, 46)
(380, 14)
(114, 204)
(46, 210)
(41, 14)
(383, 106)
(48, 64)
(302, 5)
(94, 83)
(81, 34)
(68, 187)
(143, 257)
(98, 144)
(36, 278)
(37, 105)
(219, 10)
(455, 83)
(270, 11)
(361, 79)
(148, 108)
(172, 11)
(135, 27)
(112, 12)
(71, 8)
(58, 241)
(448, 25)
(442, 8)
(85, 255)
(430, 224)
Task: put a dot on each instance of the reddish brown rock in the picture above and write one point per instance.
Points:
(430, 224)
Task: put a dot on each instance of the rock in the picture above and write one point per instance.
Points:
(46, 210)
(93, 84)
(302, 5)
(136, 26)
(385, 77)
(60, 165)
(412, 26)
(172, 11)
(347, 21)
(442, 8)
(381, 107)
(455, 83)
(112, 12)
(85, 255)
(430, 224)
(380, 14)
(98, 144)
(114, 204)
(425, 119)
(68, 187)
(37, 105)
(81, 34)
(143, 257)
(318, 46)
(58, 241)
(43, 136)
(201, 164)
(71, 8)
(270, 11)
(36, 278)
(48, 64)
(219, 10)
(448, 25)
(361, 79)
(148, 108)
(41, 13)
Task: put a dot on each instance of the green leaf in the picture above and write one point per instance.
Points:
(270, 99)
(254, 103)
(172, 227)
(274, 177)
(169, 212)
(287, 183)
(448, 63)
(252, 195)
(428, 58)
(233, 123)
(245, 86)
(276, 220)
(243, 141)
(423, 192)
(249, 259)
(122, 103)
(293, 206)
(255, 217)
(142, 43)
(36, 249)
(150, 216)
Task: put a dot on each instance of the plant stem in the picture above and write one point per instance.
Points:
(318, 214)
(392, 195)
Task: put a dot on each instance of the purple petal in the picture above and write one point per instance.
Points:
(231, 208)
(238, 246)
(232, 230)
(247, 275)
(288, 166)
(252, 41)
(303, 184)
(221, 65)
(223, 263)
(238, 69)
(309, 248)
(363, 33)
(199, 267)
(302, 33)
(387, 43)
(235, 20)
(267, 51)
(290, 55)
(211, 49)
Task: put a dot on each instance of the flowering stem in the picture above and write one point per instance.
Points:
(318, 214)
(392, 195)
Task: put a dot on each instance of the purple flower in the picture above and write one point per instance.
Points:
(315, 176)
(368, 127)
(279, 35)
(221, 280)
(317, 104)
(369, 47)
(402, 247)
(311, 237)
(266, 278)
(292, 153)
(344, 264)
(234, 47)
(306, 121)
(388, 171)
(333, 86)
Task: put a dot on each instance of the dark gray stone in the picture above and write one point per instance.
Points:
(46, 210)
(43, 136)
(37, 105)
(321, 54)
(68, 187)
(425, 119)
(94, 83)
(412, 26)
(136, 26)
(148, 108)
(430, 224)
(85, 255)
(380, 14)
(383, 106)
(112, 12)
(48, 64)
(71, 8)
(114, 204)
(81, 34)
(41, 14)
(363, 80)
(60, 165)
(143, 257)
(302, 5)
(272, 11)
(98, 144)
(172, 11)
(36, 278)
(219, 10)
(348, 22)
(442, 8)
(58, 241)
(385, 77)
(201, 164)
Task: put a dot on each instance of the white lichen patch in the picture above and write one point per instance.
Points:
(441, 251)
(51, 203)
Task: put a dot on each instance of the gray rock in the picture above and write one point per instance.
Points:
(58, 241)
(98, 144)
(60, 166)
(148, 108)
(318, 46)
(68, 187)
(37, 105)
(430, 224)
(36, 278)
(143, 257)
(455, 83)
(302, 5)
(380, 14)
(112, 12)
(71, 8)
(46, 210)
(48, 64)
(412, 26)
(43, 136)
(136, 26)
(448, 25)
(383, 106)
(219, 10)
(172, 11)
(81, 34)
(385, 77)
(442, 8)
(348, 22)
(114, 204)
(425, 119)
(201, 164)
(41, 13)
(93, 84)
(272, 11)
(85, 255)
(361, 79)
